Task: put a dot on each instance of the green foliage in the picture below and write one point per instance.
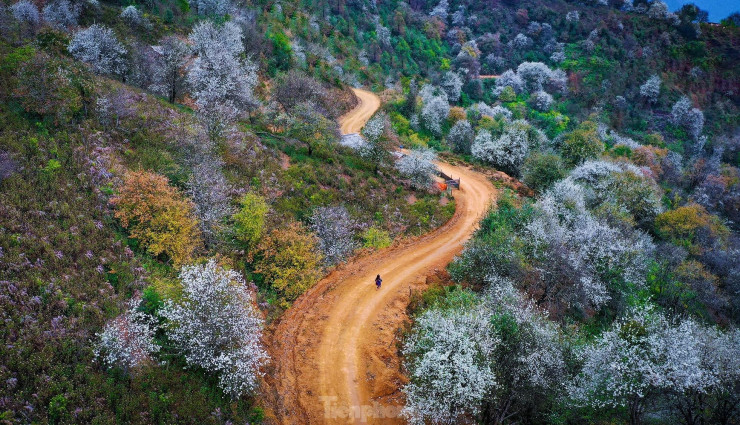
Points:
(376, 238)
(282, 52)
(582, 144)
(541, 170)
(249, 221)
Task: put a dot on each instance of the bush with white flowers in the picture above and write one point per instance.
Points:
(215, 326)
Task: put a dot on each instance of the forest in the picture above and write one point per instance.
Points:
(194, 192)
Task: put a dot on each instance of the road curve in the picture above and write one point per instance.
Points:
(334, 354)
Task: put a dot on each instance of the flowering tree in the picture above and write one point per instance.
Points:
(61, 14)
(333, 226)
(441, 10)
(25, 11)
(452, 85)
(99, 47)
(434, 113)
(622, 184)
(541, 101)
(448, 357)
(577, 255)
(508, 151)
(128, 340)
(214, 325)
(534, 75)
(645, 354)
(685, 115)
(418, 166)
(211, 7)
(622, 368)
(509, 79)
(168, 78)
(486, 358)
(131, 15)
(378, 142)
(461, 136)
(221, 81)
(651, 89)
(210, 192)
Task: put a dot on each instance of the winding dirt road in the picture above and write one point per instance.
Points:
(334, 352)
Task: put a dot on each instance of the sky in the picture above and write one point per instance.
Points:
(718, 9)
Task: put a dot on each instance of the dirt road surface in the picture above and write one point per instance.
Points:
(354, 120)
(334, 352)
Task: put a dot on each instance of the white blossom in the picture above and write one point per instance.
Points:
(685, 115)
(541, 101)
(209, 190)
(510, 149)
(452, 85)
(211, 7)
(450, 369)
(61, 14)
(221, 81)
(127, 341)
(534, 75)
(168, 78)
(564, 231)
(623, 365)
(461, 136)
(651, 89)
(383, 34)
(99, 47)
(418, 166)
(333, 226)
(434, 113)
(521, 41)
(25, 11)
(441, 10)
(214, 325)
(131, 15)
(460, 358)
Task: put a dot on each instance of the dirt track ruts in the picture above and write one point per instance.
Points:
(338, 340)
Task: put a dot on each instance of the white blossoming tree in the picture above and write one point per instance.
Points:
(452, 85)
(508, 151)
(685, 115)
(448, 357)
(651, 89)
(99, 47)
(461, 136)
(622, 368)
(493, 356)
(576, 254)
(221, 81)
(418, 166)
(214, 325)
(26, 12)
(377, 144)
(61, 14)
(169, 78)
(434, 113)
(127, 341)
(210, 192)
(541, 101)
(333, 226)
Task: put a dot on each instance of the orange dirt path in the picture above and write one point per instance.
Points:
(354, 120)
(334, 351)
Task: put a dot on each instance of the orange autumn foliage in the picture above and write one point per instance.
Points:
(157, 215)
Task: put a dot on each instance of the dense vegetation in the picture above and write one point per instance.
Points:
(166, 161)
